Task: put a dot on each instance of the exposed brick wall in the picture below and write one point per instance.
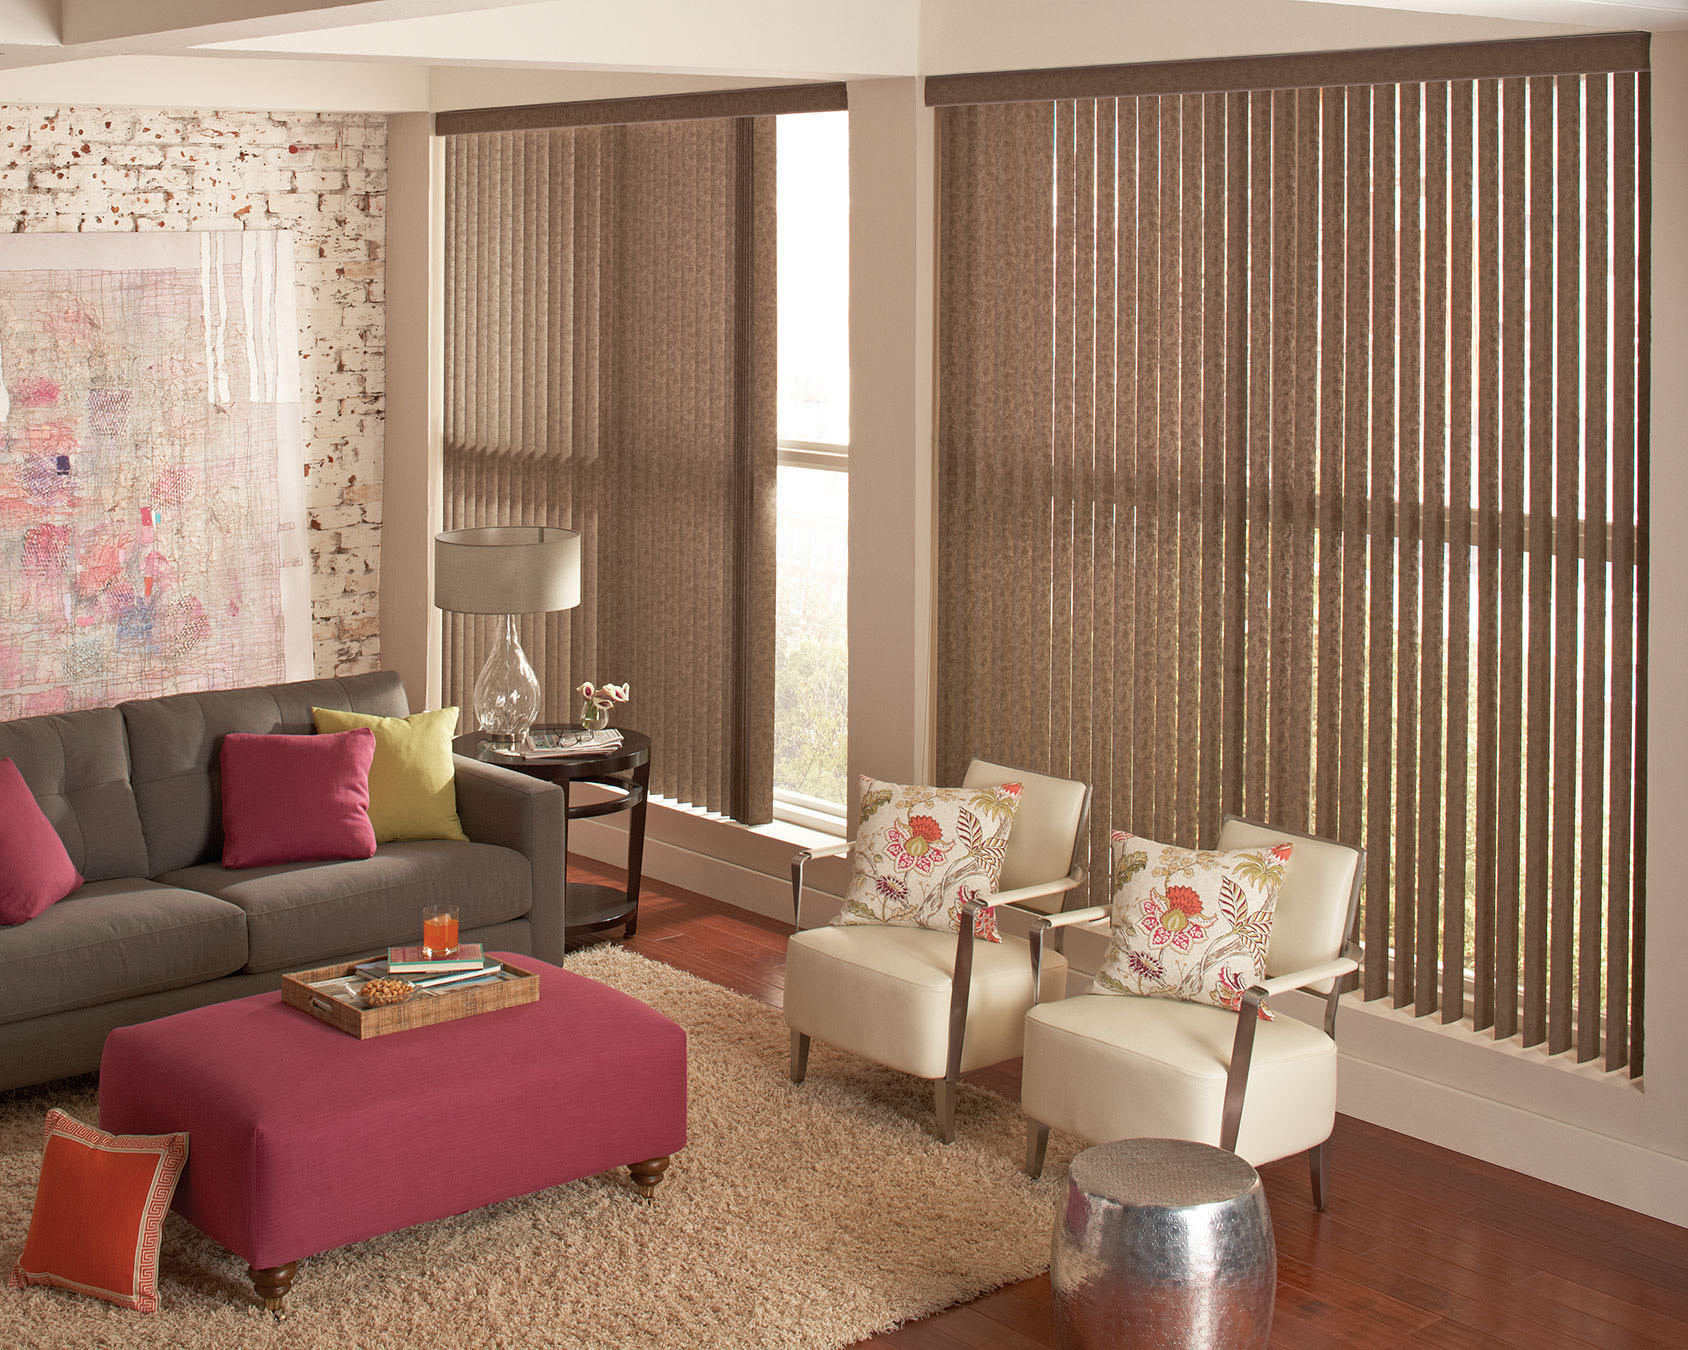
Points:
(323, 176)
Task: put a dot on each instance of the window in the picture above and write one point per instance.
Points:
(1293, 463)
(811, 666)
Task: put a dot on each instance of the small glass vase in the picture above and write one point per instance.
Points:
(592, 717)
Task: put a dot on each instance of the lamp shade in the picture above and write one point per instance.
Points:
(507, 569)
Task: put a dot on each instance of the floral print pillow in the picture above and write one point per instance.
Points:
(1190, 924)
(923, 852)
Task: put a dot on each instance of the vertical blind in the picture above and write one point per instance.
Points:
(609, 368)
(1293, 463)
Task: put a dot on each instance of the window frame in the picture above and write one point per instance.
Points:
(797, 808)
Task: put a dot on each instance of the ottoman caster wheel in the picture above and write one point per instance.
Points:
(646, 1175)
(271, 1285)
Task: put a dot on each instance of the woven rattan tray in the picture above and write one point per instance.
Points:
(419, 1010)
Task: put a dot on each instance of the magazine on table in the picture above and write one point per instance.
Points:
(562, 744)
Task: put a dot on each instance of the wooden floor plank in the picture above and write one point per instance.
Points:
(1421, 1246)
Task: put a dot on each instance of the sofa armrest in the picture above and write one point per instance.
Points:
(502, 806)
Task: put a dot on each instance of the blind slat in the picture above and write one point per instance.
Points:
(1458, 338)
(1594, 581)
(1567, 508)
(1623, 567)
(1514, 290)
(1434, 643)
(1190, 521)
(1380, 521)
(1409, 491)
(1538, 867)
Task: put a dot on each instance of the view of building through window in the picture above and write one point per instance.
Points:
(811, 664)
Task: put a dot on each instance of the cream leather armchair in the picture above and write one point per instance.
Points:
(932, 1004)
(1105, 1066)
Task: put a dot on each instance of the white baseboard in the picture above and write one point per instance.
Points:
(731, 883)
(1561, 1152)
(1539, 1146)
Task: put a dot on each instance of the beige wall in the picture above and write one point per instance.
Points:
(410, 625)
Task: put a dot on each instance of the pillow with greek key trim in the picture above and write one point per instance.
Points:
(1190, 924)
(923, 852)
(99, 1212)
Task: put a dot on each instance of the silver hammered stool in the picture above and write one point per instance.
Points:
(1163, 1243)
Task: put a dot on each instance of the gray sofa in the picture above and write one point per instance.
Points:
(161, 926)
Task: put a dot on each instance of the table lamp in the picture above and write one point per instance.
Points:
(508, 570)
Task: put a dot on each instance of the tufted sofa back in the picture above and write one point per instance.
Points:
(134, 791)
(174, 744)
(77, 765)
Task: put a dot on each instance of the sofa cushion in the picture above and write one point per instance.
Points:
(35, 871)
(293, 799)
(77, 768)
(174, 742)
(303, 912)
(117, 939)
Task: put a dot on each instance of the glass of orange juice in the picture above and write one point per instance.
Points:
(439, 931)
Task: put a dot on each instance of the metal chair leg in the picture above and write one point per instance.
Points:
(799, 1056)
(1037, 1148)
(943, 1097)
(1318, 1163)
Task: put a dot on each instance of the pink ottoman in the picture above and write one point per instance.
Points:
(302, 1138)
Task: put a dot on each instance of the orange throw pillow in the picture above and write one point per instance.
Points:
(99, 1212)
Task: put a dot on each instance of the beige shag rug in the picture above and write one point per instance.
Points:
(797, 1216)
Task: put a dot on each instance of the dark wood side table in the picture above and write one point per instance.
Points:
(626, 772)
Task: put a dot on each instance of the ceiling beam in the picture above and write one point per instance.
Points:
(159, 24)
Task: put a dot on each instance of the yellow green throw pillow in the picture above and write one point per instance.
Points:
(412, 784)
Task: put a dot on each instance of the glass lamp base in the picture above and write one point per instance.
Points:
(507, 692)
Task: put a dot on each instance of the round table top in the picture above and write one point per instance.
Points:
(1162, 1174)
(634, 750)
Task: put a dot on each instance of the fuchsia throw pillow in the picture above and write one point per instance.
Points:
(296, 798)
(35, 871)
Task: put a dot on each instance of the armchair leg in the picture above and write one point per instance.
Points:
(1037, 1148)
(943, 1097)
(799, 1057)
(1318, 1163)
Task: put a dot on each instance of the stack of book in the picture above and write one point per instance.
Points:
(468, 967)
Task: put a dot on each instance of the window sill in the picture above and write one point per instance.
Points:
(744, 865)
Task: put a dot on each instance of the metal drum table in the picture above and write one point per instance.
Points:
(1163, 1243)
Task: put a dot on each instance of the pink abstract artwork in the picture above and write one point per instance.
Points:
(151, 480)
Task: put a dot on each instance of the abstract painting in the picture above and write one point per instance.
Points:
(152, 531)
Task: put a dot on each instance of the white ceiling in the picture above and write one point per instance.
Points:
(399, 54)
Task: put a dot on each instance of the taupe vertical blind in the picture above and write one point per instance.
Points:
(1293, 462)
(610, 368)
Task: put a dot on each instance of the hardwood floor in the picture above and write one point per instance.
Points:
(1420, 1246)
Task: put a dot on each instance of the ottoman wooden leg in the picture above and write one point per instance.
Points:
(272, 1284)
(647, 1174)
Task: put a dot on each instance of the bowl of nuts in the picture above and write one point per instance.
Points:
(382, 993)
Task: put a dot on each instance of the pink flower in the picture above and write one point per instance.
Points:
(917, 844)
(1178, 920)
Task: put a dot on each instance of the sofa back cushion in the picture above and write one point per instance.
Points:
(174, 745)
(77, 768)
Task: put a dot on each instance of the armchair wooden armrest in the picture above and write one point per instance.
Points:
(1300, 979)
(1248, 1018)
(1067, 918)
(1041, 891)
